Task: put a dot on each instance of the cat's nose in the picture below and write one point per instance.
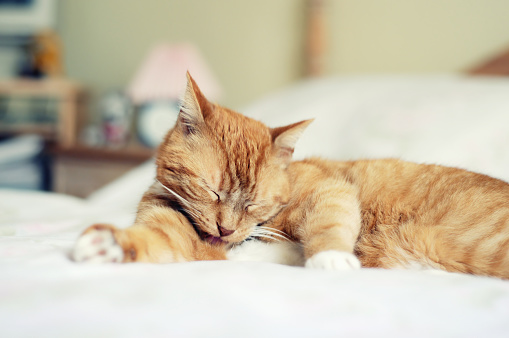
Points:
(224, 232)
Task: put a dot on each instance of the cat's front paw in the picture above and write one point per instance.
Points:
(333, 260)
(98, 245)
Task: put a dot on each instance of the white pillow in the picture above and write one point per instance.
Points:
(451, 120)
(444, 119)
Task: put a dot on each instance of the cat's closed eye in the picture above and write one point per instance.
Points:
(214, 195)
(250, 207)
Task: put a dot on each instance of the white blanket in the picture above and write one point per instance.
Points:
(44, 294)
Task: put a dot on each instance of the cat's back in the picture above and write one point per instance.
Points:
(392, 183)
(403, 180)
(432, 216)
(427, 216)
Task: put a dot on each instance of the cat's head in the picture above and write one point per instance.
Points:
(227, 171)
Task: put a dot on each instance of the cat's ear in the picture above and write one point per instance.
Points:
(285, 138)
(193, 108)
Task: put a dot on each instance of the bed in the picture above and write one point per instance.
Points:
(449, 119)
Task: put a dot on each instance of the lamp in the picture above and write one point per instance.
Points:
(160, 82)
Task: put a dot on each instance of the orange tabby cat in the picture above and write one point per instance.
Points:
(223, 177)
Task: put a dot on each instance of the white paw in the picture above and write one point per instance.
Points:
(97, 246)
(333, 260)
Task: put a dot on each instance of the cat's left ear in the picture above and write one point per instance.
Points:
(193, 108)
(285, 138)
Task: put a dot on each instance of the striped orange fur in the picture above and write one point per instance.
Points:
(222, 176)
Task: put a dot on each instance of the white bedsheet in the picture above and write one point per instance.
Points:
(44, 294)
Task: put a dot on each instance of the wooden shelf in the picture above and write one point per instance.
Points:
(69, 96)
(135, 153)
(46, 131)
(43, 87)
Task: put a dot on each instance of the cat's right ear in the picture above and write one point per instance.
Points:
(285, 138)
(193, 108)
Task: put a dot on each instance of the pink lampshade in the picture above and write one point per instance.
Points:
(162, 75)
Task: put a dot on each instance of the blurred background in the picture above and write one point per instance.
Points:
(88, 88)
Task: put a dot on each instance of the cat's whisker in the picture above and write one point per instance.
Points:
(180, 198)
(263, 231)
(258, 232)
(262, 236)
(187, 211)
(274, 230)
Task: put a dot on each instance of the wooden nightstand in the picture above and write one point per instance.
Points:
(81, 170)
(75, 169)
(68, 97)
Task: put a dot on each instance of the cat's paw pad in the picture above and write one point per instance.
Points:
(333, 260)
(97, 246)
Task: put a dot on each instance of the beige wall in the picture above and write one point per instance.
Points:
(386, 36)
(255, 46)
(252, 46)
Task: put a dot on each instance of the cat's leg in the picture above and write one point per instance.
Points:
(331, 226)
(160, 235)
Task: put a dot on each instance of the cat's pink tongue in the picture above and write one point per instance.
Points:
(213, 240)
